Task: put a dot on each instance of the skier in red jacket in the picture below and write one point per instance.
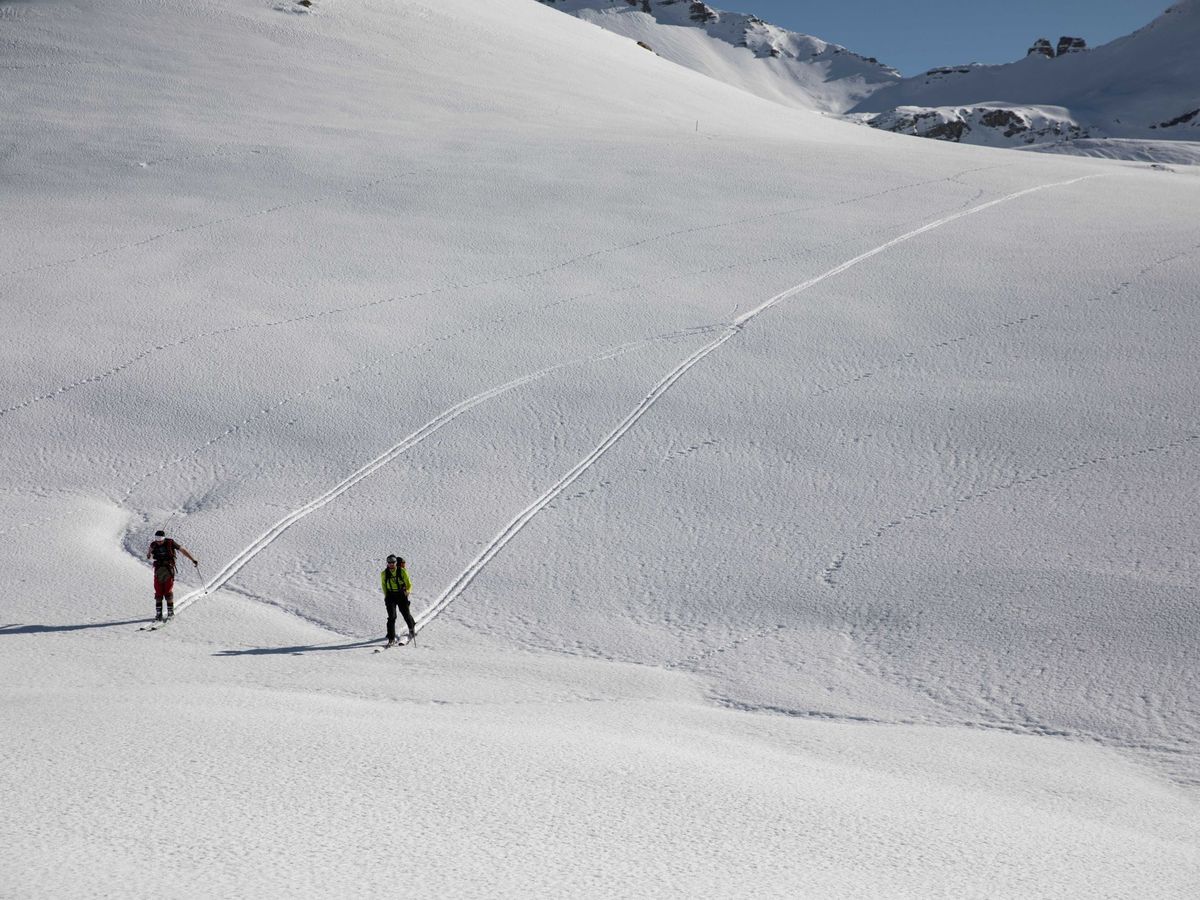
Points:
(162, 551)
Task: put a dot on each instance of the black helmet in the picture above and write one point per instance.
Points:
(391, 558)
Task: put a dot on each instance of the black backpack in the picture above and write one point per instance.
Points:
(163, 553)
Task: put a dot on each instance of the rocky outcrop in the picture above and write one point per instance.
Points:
(1179, 120)
(1010, 121)
(698, 12)
(1070, 45)
(803, 71)
(989, 125)
(1066, 44)
(1041, 47)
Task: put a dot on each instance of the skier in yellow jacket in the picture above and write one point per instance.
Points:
(396, 585)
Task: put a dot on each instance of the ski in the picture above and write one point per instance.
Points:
(155, 625)
(400, 642)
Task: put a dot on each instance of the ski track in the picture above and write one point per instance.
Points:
(510, 531)
(834, 568)
(1027, 728)
(280, 403)
(264, 412)
(212, 223)
(830, 572)
(230, 149)
(376, 363)
(433, 425)
(1025, 319)
(199, 336)
(154, 350)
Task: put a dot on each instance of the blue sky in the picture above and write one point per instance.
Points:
(915, 35)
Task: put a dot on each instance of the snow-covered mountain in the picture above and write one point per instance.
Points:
(756, 56)
(1144, 86)
(1143, 89)
(793, 509)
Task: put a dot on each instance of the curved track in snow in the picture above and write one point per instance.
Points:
(435, 424)
(731, 330)
(146, 353)
(518, 522)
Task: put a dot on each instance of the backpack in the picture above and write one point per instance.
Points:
(163, 553)
(394, 584)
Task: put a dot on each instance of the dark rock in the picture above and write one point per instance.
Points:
(915, 125)
(1178, 120)
(948, 131)
(1071, 45)
(702, 14)
(1041, 47)
(1012, 123)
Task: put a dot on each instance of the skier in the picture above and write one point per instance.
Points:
(162, 551)
(396, 585)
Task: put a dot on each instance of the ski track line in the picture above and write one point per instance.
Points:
(266, 411)
(448, 288)
(910, 356)
(263, 412)
(1029, 727)
(189, 339)
(829, 574)
(212, 223)
(433, 425)
(735, 327)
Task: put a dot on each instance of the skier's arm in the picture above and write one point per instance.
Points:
(404, 577)
(183, 550)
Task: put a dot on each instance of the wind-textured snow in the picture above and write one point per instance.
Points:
(793, 508)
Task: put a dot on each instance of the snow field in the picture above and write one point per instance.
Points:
(805, 509)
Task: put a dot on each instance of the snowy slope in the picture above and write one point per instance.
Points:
(763, 59)
(1145, 85)
(1141, 87)
(793, 509)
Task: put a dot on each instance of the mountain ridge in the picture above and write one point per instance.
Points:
(789, 67)
(1143, 87)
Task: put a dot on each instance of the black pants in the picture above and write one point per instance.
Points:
(394, 601)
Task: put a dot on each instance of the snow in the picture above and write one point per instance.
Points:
(1161, 153)
(793, 509)
(783, 66)
(1132, 99)
(1138, 87)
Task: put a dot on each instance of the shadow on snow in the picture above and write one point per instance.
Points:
(300, 649)
(46, 629)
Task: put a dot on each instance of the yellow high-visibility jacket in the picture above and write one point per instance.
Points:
(396, 584)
